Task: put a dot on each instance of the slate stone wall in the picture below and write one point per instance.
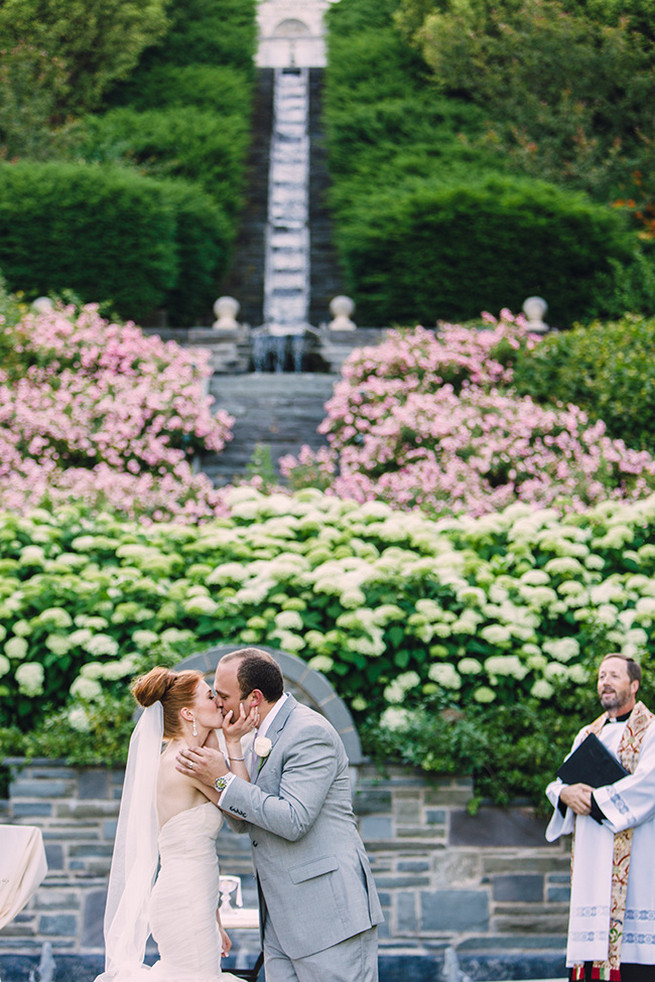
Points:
(487, 886)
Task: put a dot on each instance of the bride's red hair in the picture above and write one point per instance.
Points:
(175, 691)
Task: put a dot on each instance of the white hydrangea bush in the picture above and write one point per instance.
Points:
(396, 609)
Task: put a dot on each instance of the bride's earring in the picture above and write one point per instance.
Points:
(194, 729)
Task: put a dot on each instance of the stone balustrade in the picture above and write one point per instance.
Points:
(487, 886)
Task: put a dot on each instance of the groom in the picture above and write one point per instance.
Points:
(318, 901)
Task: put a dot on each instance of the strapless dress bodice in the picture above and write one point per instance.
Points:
(190, 830)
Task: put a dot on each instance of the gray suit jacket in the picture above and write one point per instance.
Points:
(314, 877)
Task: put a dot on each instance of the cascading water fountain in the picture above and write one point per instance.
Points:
(286, 276)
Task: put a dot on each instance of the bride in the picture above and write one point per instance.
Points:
(169, 818)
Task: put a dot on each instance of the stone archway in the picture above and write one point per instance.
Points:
(291, 33)
(291, 28)
(308, 686)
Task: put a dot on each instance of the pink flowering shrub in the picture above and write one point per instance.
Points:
(422, 421)
(99, 412)
(418, 361)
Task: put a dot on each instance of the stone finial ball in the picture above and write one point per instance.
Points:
(226, 307)
(341, 306)
(534, 308)
(43, 305)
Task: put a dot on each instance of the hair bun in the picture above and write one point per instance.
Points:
(152, 687)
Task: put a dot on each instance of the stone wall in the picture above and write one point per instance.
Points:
(487, 886)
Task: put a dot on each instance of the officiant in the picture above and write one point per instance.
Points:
(612, 914)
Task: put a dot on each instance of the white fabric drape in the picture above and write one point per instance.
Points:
(23, 867)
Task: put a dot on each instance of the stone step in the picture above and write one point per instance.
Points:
(279, 410)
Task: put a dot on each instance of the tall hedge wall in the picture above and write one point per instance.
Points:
(448, 251)
(107, 233)
(93, 224)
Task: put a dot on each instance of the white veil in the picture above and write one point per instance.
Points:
(134, 863)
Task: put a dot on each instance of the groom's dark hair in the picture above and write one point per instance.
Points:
(257, 670)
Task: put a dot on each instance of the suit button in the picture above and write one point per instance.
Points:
(254, 842)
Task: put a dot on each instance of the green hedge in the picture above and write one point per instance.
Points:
(400, 138)
(220, 88)
(443, 251)
(203, 238)
(607, 369)
(210, 32)
(183, 142)
(108, 234)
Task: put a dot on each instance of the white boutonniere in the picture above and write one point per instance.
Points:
(262, 746)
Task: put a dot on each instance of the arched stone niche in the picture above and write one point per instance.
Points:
(291, 28)
(291, 33)
(308, 686)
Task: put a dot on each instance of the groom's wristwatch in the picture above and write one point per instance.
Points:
(221, 783)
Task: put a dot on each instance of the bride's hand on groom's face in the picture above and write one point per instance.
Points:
(201, 763)
(244, 723)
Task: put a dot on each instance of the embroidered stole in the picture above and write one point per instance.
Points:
(628, 752)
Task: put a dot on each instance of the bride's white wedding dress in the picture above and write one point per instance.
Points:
(183, 902)
(180, 909)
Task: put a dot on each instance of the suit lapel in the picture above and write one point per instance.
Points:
(274, 731)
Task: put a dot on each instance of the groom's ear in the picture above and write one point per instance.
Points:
(256, 697)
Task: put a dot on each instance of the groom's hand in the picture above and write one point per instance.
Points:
(202, 763)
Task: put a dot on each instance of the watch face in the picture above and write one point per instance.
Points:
(220, 784)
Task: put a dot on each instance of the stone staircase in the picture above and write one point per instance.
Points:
(326, 279)
(278, 410)
(286, 279)
(245, 279)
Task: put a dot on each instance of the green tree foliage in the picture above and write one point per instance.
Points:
(607, 369)
(181, 115)
(413, 159)
(201, 32)
(195, 144)
(567, 85)
(365, 16)
(636, 15)
(31, 84)
(220, 88)
(99, 41)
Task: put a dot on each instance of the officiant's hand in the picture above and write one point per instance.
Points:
(202, 763)
(577, 797)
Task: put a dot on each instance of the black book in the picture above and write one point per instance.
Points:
(593, 764)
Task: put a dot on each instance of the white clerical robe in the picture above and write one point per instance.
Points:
(630, 803)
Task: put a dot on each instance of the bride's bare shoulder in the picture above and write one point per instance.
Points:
(175, 791)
